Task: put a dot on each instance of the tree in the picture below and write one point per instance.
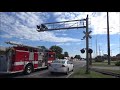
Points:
(99, 59)
(61, 56)
(58, 50)
(118, 55)
(66, 54)
(43, 47)
(105, 56)
(77, 56)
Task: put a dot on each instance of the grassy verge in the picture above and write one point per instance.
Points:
(80, 73)
(114, 71)
(103, 64)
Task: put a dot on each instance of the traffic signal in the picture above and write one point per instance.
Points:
(43, 27)
(90, 51)
(82, 51)
(38, 26)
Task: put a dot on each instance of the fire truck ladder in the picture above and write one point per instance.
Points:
(13, 43)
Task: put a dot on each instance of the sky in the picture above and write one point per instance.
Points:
(20, 27)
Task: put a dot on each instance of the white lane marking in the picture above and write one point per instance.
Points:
(70, 74)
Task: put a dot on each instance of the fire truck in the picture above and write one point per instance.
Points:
(24, 58)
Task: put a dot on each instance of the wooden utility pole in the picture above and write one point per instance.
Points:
(108, 39)
(87, 47)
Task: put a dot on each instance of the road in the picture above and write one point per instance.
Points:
(44, 73)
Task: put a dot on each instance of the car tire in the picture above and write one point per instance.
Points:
(73, 69)
(28, 69)
(67, 71)
(47, 67)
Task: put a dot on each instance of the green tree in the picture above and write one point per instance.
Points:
(66, 54)
(61, 56)
(77, 56)
(43, 47)
(58, 50)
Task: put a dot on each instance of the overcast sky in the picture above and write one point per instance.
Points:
(20, 27)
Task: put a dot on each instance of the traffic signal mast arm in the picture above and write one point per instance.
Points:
(72, 24)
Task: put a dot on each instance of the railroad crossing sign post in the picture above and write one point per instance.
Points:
(67, 25)
(87, 36)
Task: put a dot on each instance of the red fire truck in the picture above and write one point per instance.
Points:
(23, 58)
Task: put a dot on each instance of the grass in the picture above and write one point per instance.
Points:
(80, 73)
(114, 71)
(103, 64)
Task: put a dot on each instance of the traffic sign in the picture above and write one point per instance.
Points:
(87, 34)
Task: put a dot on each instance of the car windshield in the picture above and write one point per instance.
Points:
(59, 61)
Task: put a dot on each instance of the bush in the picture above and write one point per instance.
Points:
(98, 60)
(113, 58)
(117, 63)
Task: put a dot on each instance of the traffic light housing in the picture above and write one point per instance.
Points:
(38, 26)
(90, 51)
(82, 51)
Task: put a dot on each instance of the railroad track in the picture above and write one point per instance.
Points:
(106, 73)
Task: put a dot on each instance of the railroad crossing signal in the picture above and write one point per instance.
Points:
(87, 34)
(65, 25)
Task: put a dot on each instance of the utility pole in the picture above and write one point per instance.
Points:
(99, 50)
(96, 45)
(108, 39)
(87, 47)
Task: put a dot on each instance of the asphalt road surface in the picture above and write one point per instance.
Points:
(44, 73)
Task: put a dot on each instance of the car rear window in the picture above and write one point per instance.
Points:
(58, 61)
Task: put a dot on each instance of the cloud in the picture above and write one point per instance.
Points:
(22, 25)
(60, 34)
(77, 43)
(68, 44)
(63, 44)
(97, 20)
(5, 36)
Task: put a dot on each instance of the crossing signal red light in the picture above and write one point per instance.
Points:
(38, 26)
(82, 51)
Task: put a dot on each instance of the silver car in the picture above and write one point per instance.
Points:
(62, 66)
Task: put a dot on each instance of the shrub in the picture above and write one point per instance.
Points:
(117, 63)
(98, 60)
